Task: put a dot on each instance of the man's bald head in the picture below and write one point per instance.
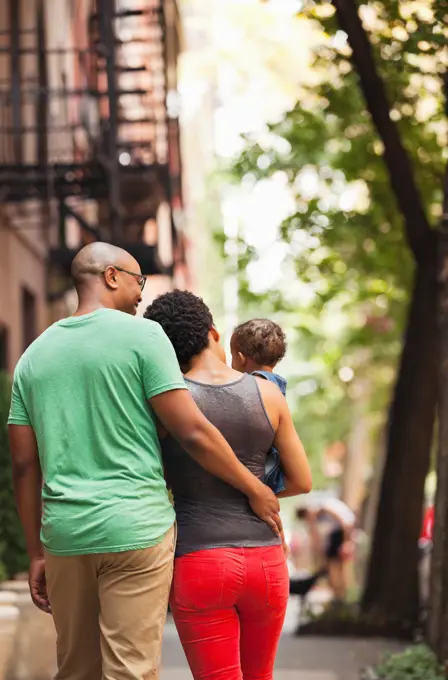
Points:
(109, 275)
(93, 259)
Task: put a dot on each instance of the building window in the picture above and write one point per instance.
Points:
(3, 349)
(29, 326)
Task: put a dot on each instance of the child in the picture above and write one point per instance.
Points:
(257, 346)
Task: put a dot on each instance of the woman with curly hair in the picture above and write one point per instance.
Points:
(231, 584)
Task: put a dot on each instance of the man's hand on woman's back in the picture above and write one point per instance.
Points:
(265, 505)
(181, 417)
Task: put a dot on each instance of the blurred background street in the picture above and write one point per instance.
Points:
(283, 159)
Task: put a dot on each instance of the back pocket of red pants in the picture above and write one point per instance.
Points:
(197, 584)
(277, 583)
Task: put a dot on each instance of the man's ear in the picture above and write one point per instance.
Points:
(110, 276)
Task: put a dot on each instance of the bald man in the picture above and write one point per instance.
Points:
(85, 402)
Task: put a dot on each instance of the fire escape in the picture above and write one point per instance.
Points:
(96, 144)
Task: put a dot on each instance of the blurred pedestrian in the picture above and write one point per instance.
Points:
(425, 554)
(336, 548)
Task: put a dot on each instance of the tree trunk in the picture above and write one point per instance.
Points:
(371, 510)
(391, 594)
(438, 616)
(392, 584)
(396, 158)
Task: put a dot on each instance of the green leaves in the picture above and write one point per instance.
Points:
(413, 664)
(345, 239)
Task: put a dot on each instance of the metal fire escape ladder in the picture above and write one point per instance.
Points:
(130, 149)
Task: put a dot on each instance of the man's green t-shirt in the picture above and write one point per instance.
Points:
(84, 386)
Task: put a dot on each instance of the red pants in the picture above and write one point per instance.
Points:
(229, 605)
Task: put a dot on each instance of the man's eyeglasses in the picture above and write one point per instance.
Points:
(140, 278)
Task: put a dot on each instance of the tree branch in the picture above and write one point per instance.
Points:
(397, 159)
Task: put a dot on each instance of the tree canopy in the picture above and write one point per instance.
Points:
(345, 238)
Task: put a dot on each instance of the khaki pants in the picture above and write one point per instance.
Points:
(109, 612)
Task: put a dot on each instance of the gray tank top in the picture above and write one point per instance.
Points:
(211, 513)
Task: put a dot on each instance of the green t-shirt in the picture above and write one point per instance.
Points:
(83, 386)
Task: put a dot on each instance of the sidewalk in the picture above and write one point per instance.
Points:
(299, 658)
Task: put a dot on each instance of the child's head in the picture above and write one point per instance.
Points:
(257, 344)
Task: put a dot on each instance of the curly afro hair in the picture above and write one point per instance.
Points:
(261, 340)
(186, 320)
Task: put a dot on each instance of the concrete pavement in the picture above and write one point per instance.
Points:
(175, 674)
(299, 658)
(175, 668)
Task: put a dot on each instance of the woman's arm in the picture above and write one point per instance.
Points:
(293, 458)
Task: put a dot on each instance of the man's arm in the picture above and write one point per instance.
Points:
(27, 481)
(179, 414)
